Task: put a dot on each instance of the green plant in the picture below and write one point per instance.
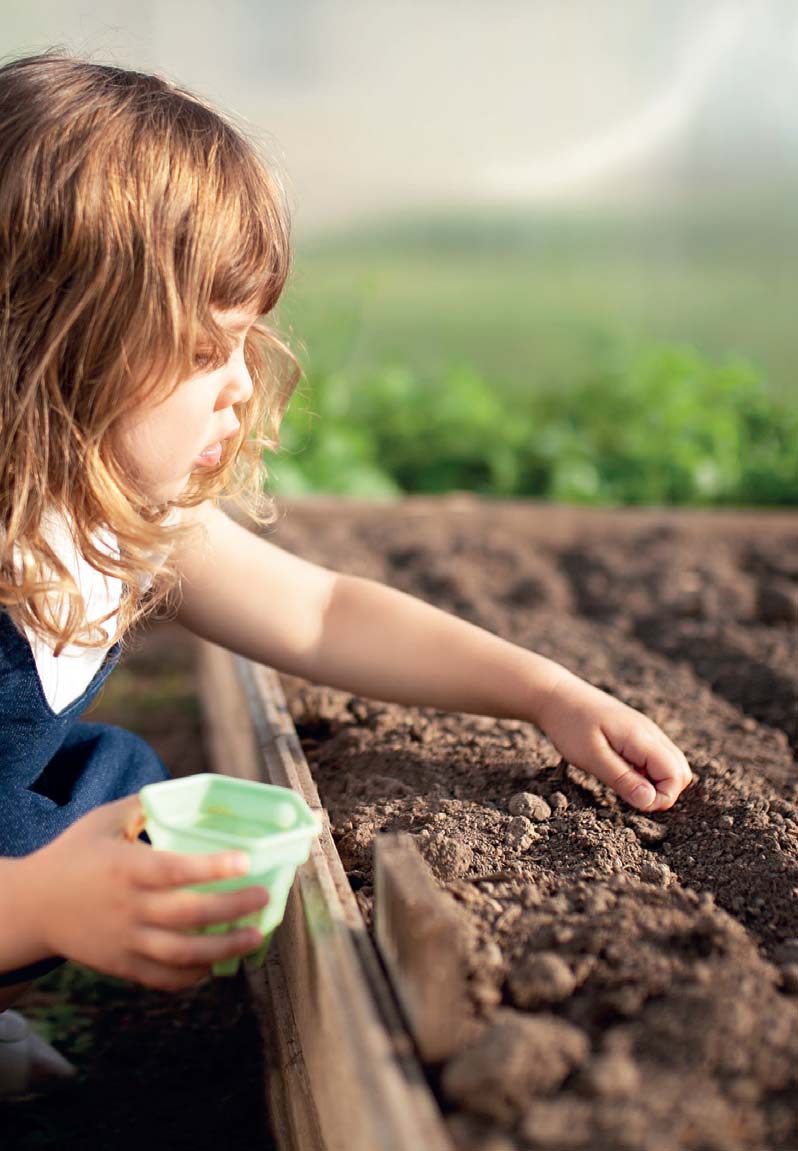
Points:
(664, 425)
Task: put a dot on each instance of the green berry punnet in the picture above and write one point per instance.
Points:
(206, 813)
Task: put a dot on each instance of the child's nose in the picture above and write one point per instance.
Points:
(239, 383)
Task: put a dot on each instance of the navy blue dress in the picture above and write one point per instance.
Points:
(54, 769)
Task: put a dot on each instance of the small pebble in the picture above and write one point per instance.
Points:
(558, 802)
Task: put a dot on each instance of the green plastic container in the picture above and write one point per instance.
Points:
(208, 813)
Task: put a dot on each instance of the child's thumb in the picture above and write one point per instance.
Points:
(128, 817)
(134, 819)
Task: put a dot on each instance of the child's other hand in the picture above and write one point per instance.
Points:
(617, 744)
(104, 899)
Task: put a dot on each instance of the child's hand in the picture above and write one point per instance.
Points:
(623, 748)
(104, 899)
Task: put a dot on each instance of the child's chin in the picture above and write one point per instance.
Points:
(161, 493)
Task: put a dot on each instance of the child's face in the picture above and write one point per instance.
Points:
(162, 445)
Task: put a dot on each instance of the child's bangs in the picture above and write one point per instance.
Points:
(252, 256)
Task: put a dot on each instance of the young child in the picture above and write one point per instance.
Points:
(141, 242)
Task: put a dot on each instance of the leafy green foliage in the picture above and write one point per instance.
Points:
(594, 355)
(663, 426)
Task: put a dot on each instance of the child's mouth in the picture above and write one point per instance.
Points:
(211, 456)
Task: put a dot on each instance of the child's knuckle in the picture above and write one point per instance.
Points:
(124, 967)
(172, 871)
(183, 950)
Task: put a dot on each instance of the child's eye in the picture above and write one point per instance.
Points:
(207, 359)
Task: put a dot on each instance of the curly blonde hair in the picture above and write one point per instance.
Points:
(130, 211)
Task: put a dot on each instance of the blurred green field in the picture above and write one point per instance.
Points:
(630, 357)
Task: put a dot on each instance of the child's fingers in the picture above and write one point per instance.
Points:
(159, 869)
(187, 909)
(164, 978)
(181, 949)
(669, 771)
(622, 777)
(660, 765)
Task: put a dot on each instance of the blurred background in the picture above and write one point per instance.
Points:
(543, 248)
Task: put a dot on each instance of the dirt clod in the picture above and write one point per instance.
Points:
(532, 806)
(540, 979)
(516, 1058)
(521, 832)
(612, 1076)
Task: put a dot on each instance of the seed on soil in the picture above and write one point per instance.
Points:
(558, 802)
(539, 979)
(529, 805)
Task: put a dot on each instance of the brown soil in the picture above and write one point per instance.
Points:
(636, 978)
(178, 1071)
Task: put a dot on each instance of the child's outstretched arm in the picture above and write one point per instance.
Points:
(359, 635)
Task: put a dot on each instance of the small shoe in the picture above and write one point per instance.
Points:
(28, 1065)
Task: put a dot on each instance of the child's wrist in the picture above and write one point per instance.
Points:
(29, 885)
(549, 695)
(526, 686)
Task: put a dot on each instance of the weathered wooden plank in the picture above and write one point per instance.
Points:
(351, 1080)
(292, 1112)
(422, 941)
